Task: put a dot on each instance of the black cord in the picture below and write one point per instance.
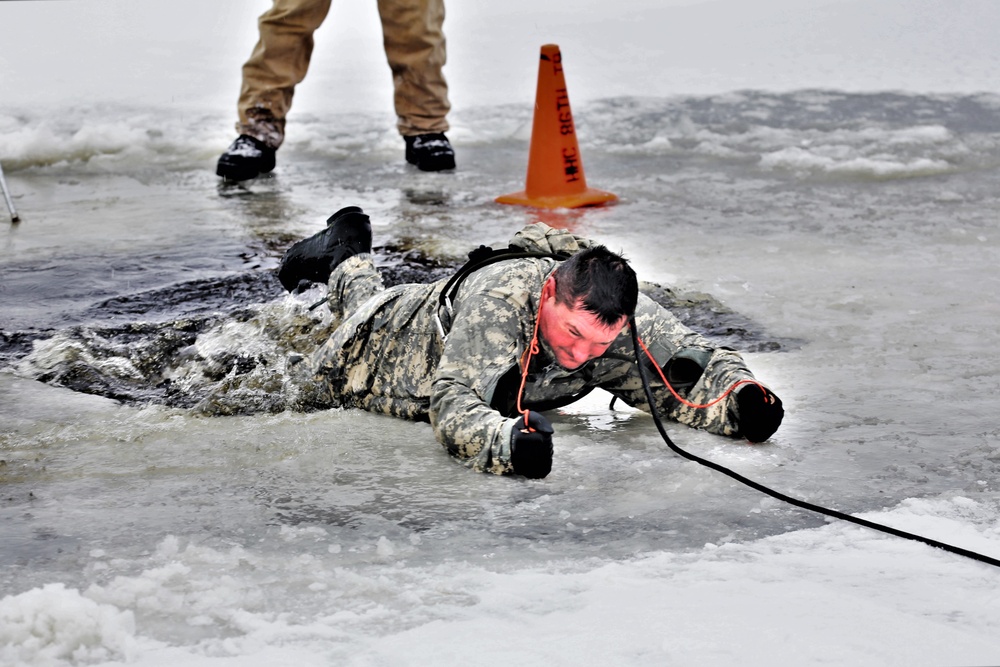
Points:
(781, 496)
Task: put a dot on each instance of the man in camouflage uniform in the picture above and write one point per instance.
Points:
(388, 355)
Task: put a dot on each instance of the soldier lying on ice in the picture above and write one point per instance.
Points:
(472, 367)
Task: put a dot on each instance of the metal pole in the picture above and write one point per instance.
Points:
(6, 195)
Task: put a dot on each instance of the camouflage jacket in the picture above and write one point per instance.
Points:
(389, 357)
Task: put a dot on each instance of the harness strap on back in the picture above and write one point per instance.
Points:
(480, 257)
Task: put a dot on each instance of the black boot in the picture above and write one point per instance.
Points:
(348, 233)
(245, 158)
(430, 152)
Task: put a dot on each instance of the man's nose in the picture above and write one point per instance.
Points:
(582, 353)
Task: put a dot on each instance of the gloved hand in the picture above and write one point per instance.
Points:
(760, 412)
(531, 451)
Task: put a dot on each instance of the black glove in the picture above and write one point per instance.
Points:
(531, 451)
(760, 412)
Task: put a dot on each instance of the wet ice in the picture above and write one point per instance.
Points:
(850, 209)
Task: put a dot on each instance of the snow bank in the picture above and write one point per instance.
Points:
(838, 594)
(53, 624)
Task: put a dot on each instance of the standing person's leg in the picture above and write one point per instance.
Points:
(414, 41)
(277, 64)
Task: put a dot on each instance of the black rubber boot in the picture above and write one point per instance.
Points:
(430, 152)
(245, 158)
(348, 233)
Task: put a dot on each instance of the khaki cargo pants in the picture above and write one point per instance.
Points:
(414, 46)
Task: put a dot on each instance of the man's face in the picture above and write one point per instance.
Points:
(574, 335)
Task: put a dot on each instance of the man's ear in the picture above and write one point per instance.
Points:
(549, 288)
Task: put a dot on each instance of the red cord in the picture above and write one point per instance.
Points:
(525, 361)
(683, 400)
(533, 349)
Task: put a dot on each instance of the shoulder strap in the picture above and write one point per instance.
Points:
(478, 258)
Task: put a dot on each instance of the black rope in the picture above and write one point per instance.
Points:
(781, 496)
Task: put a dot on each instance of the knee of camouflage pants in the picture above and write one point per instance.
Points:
(351, 284)
(304, 390)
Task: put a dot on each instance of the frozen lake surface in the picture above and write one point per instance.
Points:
(849, 229)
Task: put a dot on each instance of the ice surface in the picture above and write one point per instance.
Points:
(826, 169)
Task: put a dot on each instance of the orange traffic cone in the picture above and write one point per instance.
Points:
(555, 167)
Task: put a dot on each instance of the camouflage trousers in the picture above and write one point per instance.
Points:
(384, 351)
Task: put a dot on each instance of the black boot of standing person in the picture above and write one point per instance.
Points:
(430, 152)
(245, 158)
(248, 157)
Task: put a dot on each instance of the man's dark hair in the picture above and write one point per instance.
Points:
(602, 280)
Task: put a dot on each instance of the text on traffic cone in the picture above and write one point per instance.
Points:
(555, 167)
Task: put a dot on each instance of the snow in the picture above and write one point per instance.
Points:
(837, 594)
(51, 624)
